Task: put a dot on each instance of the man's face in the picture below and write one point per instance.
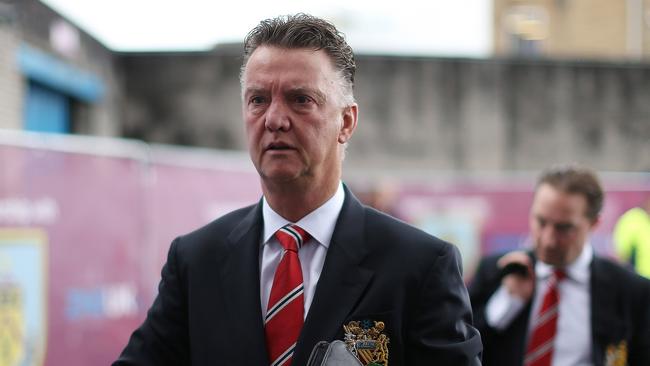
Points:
(559, 226)
(296, 121)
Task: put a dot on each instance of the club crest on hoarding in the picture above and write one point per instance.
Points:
(22, 297)
(367, 341)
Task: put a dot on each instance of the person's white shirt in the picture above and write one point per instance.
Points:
(573, 340)
(319, 224)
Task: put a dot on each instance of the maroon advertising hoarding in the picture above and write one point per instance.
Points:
(85, 225)
(84, 230)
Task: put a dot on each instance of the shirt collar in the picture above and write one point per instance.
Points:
(319, 223)
(577, 271)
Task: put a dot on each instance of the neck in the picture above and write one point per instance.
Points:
(295, 201)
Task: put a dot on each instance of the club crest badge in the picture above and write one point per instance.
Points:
(616, 354)
(367, 341)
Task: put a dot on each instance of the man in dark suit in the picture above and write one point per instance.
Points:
(563, 305)
(263, 284)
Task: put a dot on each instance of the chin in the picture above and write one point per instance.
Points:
(280, 175)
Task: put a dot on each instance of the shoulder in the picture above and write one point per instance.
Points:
(614, 280)
(215, 235)
(620, 274)
(488, 273)
(381, 225)
(491, 260)
(399, 250)
(388, 233)
(224, 223)
(488, 263)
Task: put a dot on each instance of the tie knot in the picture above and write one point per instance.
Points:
(291, 237)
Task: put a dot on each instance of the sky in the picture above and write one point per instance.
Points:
(405, 27)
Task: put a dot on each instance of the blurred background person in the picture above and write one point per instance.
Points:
(560, 304)
(632, 237)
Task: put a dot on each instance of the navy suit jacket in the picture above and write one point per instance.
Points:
(207, 311)
(620, 315)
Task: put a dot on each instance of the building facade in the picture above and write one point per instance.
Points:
(583, 29)
(55, 77)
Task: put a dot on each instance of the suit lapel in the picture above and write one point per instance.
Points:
(341, 283)
(241, 288)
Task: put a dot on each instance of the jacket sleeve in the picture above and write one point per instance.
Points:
(440, 331)
(163, 337)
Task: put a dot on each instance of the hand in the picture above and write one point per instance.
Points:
(516, 284)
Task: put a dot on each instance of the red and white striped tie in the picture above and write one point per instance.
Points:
(285, 312)
(540, 346)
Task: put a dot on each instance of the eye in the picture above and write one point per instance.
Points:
(256, 100)
(302, 99)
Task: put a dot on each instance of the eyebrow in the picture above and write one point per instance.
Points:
(317, 94)
(555, 224)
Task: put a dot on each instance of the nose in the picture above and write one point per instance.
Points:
(277, 117)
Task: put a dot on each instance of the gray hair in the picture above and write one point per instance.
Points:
(305, 31)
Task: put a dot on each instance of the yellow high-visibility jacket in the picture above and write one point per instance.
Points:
(632, 239)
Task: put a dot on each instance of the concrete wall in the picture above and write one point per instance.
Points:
(184, 98)
(422, 114)
(493, 115)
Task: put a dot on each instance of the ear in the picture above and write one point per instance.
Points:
(595, 223)
(349, 123)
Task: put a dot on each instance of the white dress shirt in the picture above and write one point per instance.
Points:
(573, 340)
(319, 224)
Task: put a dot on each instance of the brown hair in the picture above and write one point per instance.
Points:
(575, 179)
(304, 31)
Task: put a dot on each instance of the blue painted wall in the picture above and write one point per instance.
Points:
(53, 83)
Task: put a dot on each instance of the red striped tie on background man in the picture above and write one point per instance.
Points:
(285, 312)
(540, 346)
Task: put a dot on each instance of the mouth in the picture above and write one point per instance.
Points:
(278, 146)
